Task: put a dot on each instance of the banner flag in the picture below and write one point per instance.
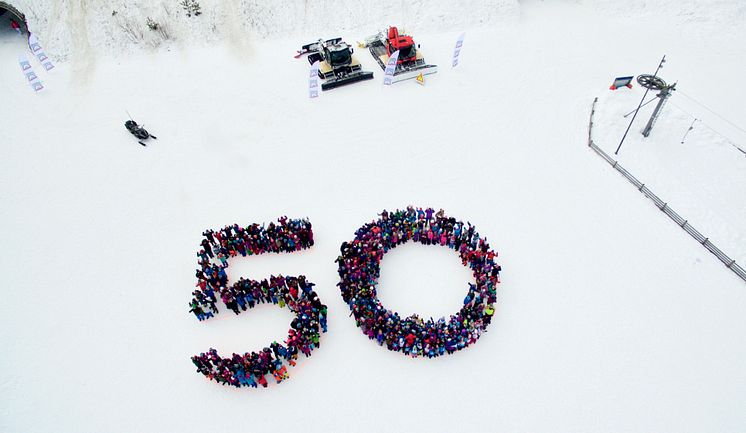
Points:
(622, 82)
(29, 73)
(388, 74)
(313, 81)
(457, 50)
(35, 46)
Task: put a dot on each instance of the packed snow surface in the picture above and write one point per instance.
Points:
(610, 317)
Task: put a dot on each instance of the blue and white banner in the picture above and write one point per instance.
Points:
(313, 80)
(35, 46)
(388, 73)
(29, 73)
(457, 50)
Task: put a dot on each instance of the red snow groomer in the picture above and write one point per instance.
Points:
(410, 64)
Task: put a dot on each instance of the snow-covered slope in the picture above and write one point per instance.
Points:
(698, 12)
(72, 27)
(699, 172)
(609, 318)
(85, 27)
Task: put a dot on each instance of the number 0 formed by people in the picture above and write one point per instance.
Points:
(359, 270)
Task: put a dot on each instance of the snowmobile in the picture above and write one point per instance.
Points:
(338, 66)
(410, 63)
(138, 131)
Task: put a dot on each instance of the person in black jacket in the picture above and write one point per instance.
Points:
(208, 248)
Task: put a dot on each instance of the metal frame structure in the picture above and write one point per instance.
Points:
(663, 206)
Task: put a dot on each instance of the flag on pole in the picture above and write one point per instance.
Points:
(388, 73)
(313, 80)
(457, 50)
(35, 46)
(29, 73)
(622, 82)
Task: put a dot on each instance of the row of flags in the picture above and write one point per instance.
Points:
(313, 80)
(388, 73)
(35, 46)
(28, 71)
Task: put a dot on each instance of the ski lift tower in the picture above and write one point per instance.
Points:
(652, 82)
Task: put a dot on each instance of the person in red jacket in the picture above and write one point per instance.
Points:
(410, 338)
(15, 26)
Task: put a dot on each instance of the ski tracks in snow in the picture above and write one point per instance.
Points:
(83, 55)
(236, 34)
